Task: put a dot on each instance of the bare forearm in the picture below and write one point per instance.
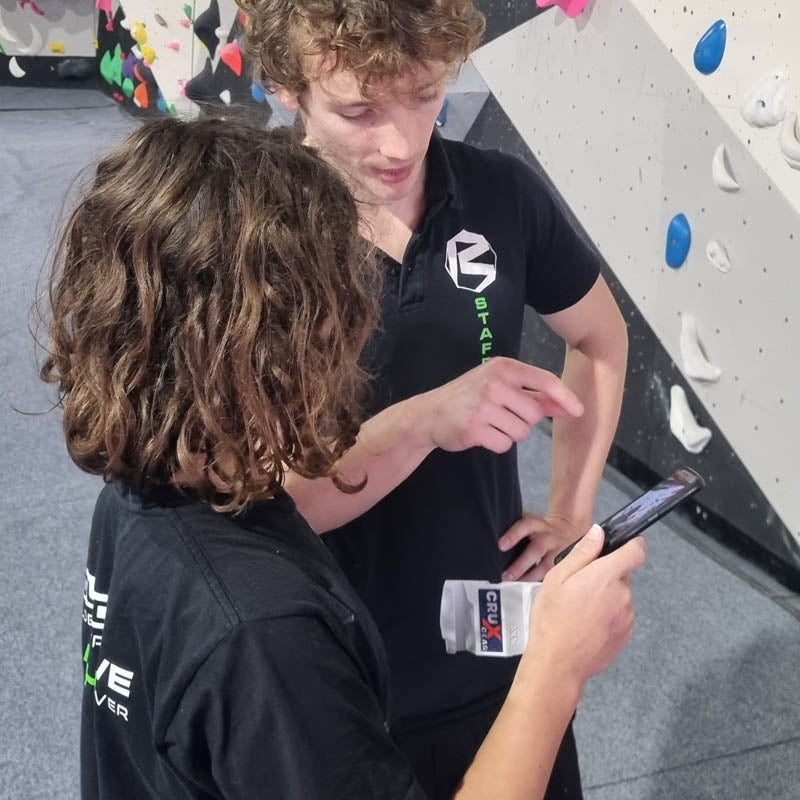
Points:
(516, 758)
(390, 447)
(581, 445)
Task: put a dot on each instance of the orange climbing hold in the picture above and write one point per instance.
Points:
(142, 96)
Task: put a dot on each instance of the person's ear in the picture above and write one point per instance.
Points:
(289, 99)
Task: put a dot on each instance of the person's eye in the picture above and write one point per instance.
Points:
(356, 115)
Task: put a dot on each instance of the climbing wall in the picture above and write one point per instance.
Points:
(176, 57)
(37, 36)
(633, 135)
(669, 131)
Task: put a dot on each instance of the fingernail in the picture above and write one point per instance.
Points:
(595, 533)
(503, 544)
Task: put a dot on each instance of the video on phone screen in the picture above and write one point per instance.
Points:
(643, 506)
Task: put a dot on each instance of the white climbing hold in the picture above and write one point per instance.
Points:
(695, 363)
(225, 96)
(15, 69)
(6, 34)
(721, 172)
(766, 103)
(35, 46)
(718, 255)
(790, 140)
(683, 425)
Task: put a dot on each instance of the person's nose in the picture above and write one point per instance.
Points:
(397, 141)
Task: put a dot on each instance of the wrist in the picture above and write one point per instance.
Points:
(419, 420)
(540, 678)
(577, 520)
(418, 423)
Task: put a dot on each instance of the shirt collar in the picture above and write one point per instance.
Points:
(441, 186)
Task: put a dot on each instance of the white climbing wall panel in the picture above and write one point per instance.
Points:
(762, 36)
(63, 28)
(627, 133)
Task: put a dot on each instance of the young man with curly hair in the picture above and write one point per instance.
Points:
(469, 238)
(208, 306)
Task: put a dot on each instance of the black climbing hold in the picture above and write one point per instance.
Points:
(201, 88)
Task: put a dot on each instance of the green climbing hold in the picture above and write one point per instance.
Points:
(2, 51)
(111, 66)
(127, 88)
(188, 10)
(171, 108)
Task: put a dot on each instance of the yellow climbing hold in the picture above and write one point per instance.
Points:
(95, 44)
(148, 54)
(139, 33)
(58, 47)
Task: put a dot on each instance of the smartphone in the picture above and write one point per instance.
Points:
(631, 520)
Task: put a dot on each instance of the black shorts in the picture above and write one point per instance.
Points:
(441, 747)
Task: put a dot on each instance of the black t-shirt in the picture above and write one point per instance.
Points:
(492, 240)
(227, 657)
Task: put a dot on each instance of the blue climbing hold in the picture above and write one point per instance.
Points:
(162, 103)
(257, 92)
(441, 120)
(679, 240)
(711, 47)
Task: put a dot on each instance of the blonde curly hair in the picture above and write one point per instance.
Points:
(375, 39)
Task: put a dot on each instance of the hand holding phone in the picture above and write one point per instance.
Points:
(650, 507)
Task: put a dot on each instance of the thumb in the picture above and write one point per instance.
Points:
(582, 552)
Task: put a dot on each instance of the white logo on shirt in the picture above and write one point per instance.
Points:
(116, 678)
(464, 268)
(95, 604)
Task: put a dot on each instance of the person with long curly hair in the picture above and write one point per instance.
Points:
(206, 314)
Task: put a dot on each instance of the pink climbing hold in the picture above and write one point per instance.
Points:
(32, 4)
(232, 56)
(174, 45)
(105, 5)
(570, 7)
(186, 22)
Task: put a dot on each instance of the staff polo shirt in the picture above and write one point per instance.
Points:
(492, 240)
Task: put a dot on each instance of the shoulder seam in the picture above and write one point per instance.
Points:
(212, 580)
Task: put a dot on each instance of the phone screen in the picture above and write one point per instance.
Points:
(631, 520)
(652, 505)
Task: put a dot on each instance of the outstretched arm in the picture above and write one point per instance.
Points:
(491, 406)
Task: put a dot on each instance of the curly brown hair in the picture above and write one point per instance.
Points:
(375, 39)
(209, 299)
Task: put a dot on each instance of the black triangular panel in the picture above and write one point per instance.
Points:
(732, 507)
(206, 25)
(504, 15)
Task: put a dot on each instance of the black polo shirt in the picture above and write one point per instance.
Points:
(493, 238)
(227, 657)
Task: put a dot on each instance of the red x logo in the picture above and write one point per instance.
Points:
(492, 630)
